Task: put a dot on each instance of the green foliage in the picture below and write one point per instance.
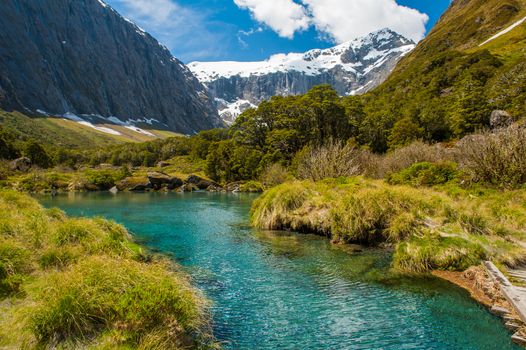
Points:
(424, 174)
(38, 155)
(106, 178)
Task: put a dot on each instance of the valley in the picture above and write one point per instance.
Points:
(351, 196)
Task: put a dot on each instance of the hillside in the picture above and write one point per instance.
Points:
(351, 68)
(82, 60)
(64, 133)
(455, 79)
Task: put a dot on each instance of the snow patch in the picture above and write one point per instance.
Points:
(312, 63)
(139, 130)
(100, 128)
(507, 30)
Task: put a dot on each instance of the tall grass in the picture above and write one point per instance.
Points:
(430, 229)
(83, 283)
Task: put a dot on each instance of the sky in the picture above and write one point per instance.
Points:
(253, 30)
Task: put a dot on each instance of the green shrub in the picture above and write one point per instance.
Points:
(424, 174)
(105, 179)
(251, 186)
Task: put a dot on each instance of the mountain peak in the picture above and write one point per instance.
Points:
(352, 67)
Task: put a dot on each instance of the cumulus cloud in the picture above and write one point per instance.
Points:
(342, 20)
(348, 19)
(285, 17)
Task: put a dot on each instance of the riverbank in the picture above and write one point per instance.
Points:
(180, 174)
(450, 229)
(76, 282)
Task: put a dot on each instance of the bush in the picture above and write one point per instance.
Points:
(274, 175)
(416, 152)
(332, 160)
(38, 155)
(495, 158)
(106, 179)
(424, 174)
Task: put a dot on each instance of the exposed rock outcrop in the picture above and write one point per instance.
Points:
(80, 58)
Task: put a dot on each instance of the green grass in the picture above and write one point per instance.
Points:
(429, 228)
(69, 134)
(83, 283)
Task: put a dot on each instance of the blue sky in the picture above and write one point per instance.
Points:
(247, 30)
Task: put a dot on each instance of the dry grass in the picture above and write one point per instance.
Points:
(332, 160)
(430, 229)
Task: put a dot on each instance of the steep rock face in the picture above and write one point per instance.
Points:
(80, 57)
(351, 68)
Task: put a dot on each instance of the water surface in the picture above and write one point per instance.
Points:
(287, 291)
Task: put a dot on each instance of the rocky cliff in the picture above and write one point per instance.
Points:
(82, 60)
(351, 68)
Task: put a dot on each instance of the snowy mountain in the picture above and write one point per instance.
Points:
(351, 68)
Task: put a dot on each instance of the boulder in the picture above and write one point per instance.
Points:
(114, 190)
(163, 164)
(134, 184)
(199, 182)
(21, 164)
(500, 119)
(161, 180)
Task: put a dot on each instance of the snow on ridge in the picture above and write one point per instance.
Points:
(507, 30)
(312, 62)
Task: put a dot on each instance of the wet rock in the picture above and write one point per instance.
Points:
(134, 184)
(21, 164)
(161, 180)
(233, 187)
(114, 190)
(199, 182)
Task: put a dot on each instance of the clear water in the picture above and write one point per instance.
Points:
(288, 291)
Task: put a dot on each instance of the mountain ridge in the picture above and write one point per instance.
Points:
(81, 59)
(351, 68)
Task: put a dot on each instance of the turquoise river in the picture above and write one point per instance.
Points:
(273, 290)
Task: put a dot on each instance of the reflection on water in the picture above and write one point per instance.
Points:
(279, 290)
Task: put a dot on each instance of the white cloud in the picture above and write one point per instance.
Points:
(285, 17)
(347, 19)
(342, 20)
(159, 11)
